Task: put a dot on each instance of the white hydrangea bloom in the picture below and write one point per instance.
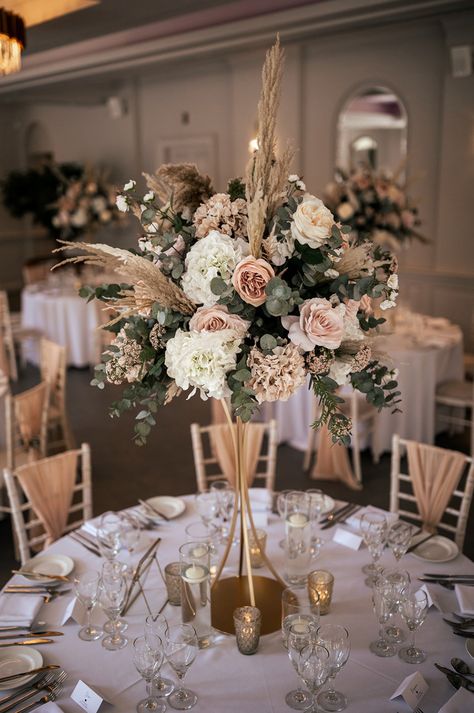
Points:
(202, 360)
(121, 203)
(392, 282)
(339, 371)
(387, 304)
(131, 184)
(149, 196)
(216, 255)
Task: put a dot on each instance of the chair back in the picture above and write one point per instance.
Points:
(207, 465)
(53, 371)
(27, 424)
(6, 337)
(38, 520)
(37, 270)
(404, 502)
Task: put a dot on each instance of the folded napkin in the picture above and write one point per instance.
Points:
(354, 520)
(19, 609)
(461, 702)
(90, 528)
(260, 499)
(465, 597)
(51, 708)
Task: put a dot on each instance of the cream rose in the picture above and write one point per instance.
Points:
(319, 324)
(250, 278)
(312, 222)
(214, 319)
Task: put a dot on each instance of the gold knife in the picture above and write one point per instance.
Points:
(31, 672)
(40, 575)
(28, 636)
(29, 642)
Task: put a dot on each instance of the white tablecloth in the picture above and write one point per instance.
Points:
(421, 369)
(63, 317)
(226, 681)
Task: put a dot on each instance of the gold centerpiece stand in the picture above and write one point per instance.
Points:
(231, 592)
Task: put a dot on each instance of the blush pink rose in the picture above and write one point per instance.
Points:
(216, 318)
(250, 278)
(319, 324)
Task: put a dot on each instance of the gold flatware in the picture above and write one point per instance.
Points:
(28, 642)
(85, 543)
(40, 575)
(341, 516)
(31, 672)
(421, 542)
(335, 513)
(27, 636)
(153, 509)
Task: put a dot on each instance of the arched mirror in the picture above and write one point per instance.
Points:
(372, 132)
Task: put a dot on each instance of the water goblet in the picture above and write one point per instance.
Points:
(113, 568)
(155, 630)
(112, 595)
(382, 603)
(314, 669)
(299, 637)
(207, 506)
(130, 531)
(225, 502)
(373, 526)
(399, 582)
(414, 608)
(336, 640)
(147, 662)
(86, 587)
(399, 537)
(181, 646)
(108, 535)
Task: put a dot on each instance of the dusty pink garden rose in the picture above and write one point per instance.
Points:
(319, 324)
(250, 278)
(216, 318)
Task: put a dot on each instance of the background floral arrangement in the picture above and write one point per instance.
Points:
(86, 203)
(374, 206)
(242, 295)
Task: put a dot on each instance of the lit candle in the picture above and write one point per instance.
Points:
(297, 519)
(194, 574)
(301, 627)
(199, 551)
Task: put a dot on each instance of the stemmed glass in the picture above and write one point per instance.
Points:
(181, 646)
(316, 499)
(112, 595)
(207, 506)
(299, 637)
(281, 508)
(336, 640)
(398, 582)
(399, 537)
(413, 608)
(87, 591)
(147, 662)
(155, 630)
(373, 526)
(108, 535)
(225, 502)
(314, 670)
(382, 601)
(130, 531)
(114, 568)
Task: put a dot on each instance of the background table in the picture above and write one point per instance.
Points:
(227, 681)
(63, 317)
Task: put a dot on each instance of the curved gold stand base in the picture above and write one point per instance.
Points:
(228, 594)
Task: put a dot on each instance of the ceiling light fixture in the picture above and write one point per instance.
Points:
(12, 41)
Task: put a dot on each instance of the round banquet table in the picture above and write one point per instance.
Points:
(63, 317)
(421, 369)
(228, 681)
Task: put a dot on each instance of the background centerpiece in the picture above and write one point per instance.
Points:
(242, 296)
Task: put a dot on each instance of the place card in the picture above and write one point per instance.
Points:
(411, 690)
(348, 539)
(442, 601)
(85, 697)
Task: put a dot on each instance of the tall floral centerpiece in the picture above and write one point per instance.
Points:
(241, 296)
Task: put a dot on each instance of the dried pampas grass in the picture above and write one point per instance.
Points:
(181, 184)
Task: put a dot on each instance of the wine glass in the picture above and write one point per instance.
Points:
(399, 582)
(130, 531)
(373, 526)
(108, 535)
(314, 669)
(300, 635)
(399, 537)
(225, 501)
(336, 640)
(147, 662)
(86, 586)
(316, 500)
(281, 508)
(181, 646)
(413, 608)
(155, 630)
(112, 595)
(113, 568)
(207, 506)
(382, 602)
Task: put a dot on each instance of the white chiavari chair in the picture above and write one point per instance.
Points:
(13, 333)
(53, 372)
(207, 466)
(29, 528)
(404, 502)
(454, 396)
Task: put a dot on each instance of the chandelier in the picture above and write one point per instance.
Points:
(12, 41)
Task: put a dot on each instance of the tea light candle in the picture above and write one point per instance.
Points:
(297, 519)
(257, 547)
(300, 627)
(247, 622)
(194, 574)
(199, 551)
(320, 584)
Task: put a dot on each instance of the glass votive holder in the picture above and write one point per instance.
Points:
(173, 583)
(247, 622)
(320, 587)
(257, 547)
